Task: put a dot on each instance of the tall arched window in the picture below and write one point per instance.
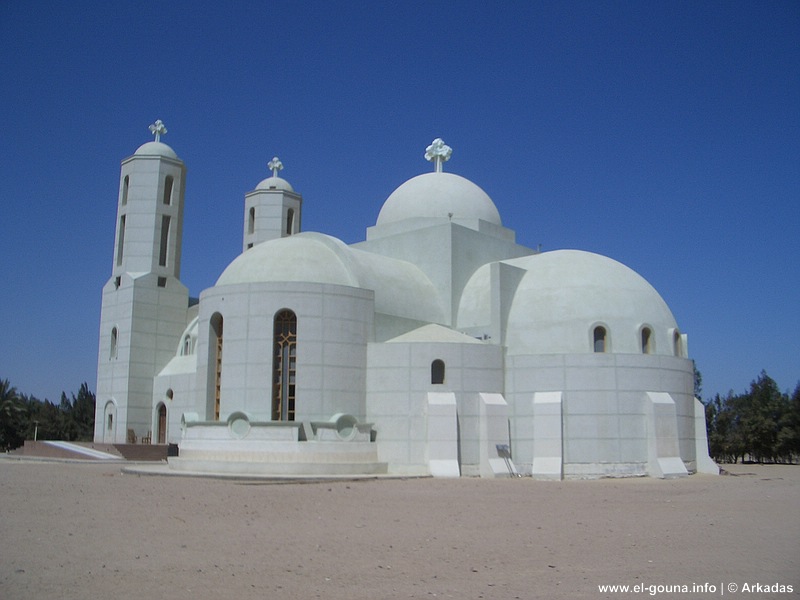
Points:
(290, 222)
(168, 185)
(125, 184)
(647, 341)
(187, 345)
(600, 339)
(284, 365)
(251, 220)
(437, 371)
(113, 353)
(216, 362)
(676, 343)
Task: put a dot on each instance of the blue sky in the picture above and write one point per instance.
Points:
(665, 135)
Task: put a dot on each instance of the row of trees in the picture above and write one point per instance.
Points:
(761, 425)
(25, 417)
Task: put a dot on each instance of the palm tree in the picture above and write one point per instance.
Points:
(11, 409)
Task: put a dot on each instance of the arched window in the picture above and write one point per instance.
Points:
(121, 239)
(290, 222)
(437, 371)
(162, 254)
(284, 365)
(647, 340)
(251, 220)
(216, 356)
(600, 339)
(186, 350)
(113, 353)
(125, 184)
(676, 343)
(168, 185)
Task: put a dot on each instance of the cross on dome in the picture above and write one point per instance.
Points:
(437, 153)
(275, 165)
(158, 129)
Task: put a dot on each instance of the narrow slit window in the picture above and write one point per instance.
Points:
(168, 185)
(162, 253)
(125, 184)
(251, 220)
(121, 240)
(113, 352)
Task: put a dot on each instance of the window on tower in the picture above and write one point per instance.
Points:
(162, 255)
(168, 185)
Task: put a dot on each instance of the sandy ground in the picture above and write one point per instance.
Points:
(88, 531)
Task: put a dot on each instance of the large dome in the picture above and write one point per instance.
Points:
(438, 195)
(562, 295)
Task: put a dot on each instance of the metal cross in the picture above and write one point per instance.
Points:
(438, 152)
(158, 129)
(275, 165)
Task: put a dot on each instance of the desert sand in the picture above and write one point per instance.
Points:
(86, 531)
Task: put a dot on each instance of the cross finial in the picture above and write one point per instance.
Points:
(275, 165)
(437, 153)
(158, 129)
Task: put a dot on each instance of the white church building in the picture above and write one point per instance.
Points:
(436, 346)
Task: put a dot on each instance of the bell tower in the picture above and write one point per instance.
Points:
(272, 210)
(144, 308)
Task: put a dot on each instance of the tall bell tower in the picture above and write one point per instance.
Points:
(144, 308)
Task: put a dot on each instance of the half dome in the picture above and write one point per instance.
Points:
(562, 295)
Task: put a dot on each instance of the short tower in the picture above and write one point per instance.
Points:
(272, 210)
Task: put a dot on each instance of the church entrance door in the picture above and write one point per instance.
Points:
(162, 425)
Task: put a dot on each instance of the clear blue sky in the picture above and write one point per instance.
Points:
(665, 135)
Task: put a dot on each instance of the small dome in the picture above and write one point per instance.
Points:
(155, 149)
(438, 195)
(275, 183)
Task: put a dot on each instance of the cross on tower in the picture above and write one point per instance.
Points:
(158, 129)
(437, 153)
(275, 165)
